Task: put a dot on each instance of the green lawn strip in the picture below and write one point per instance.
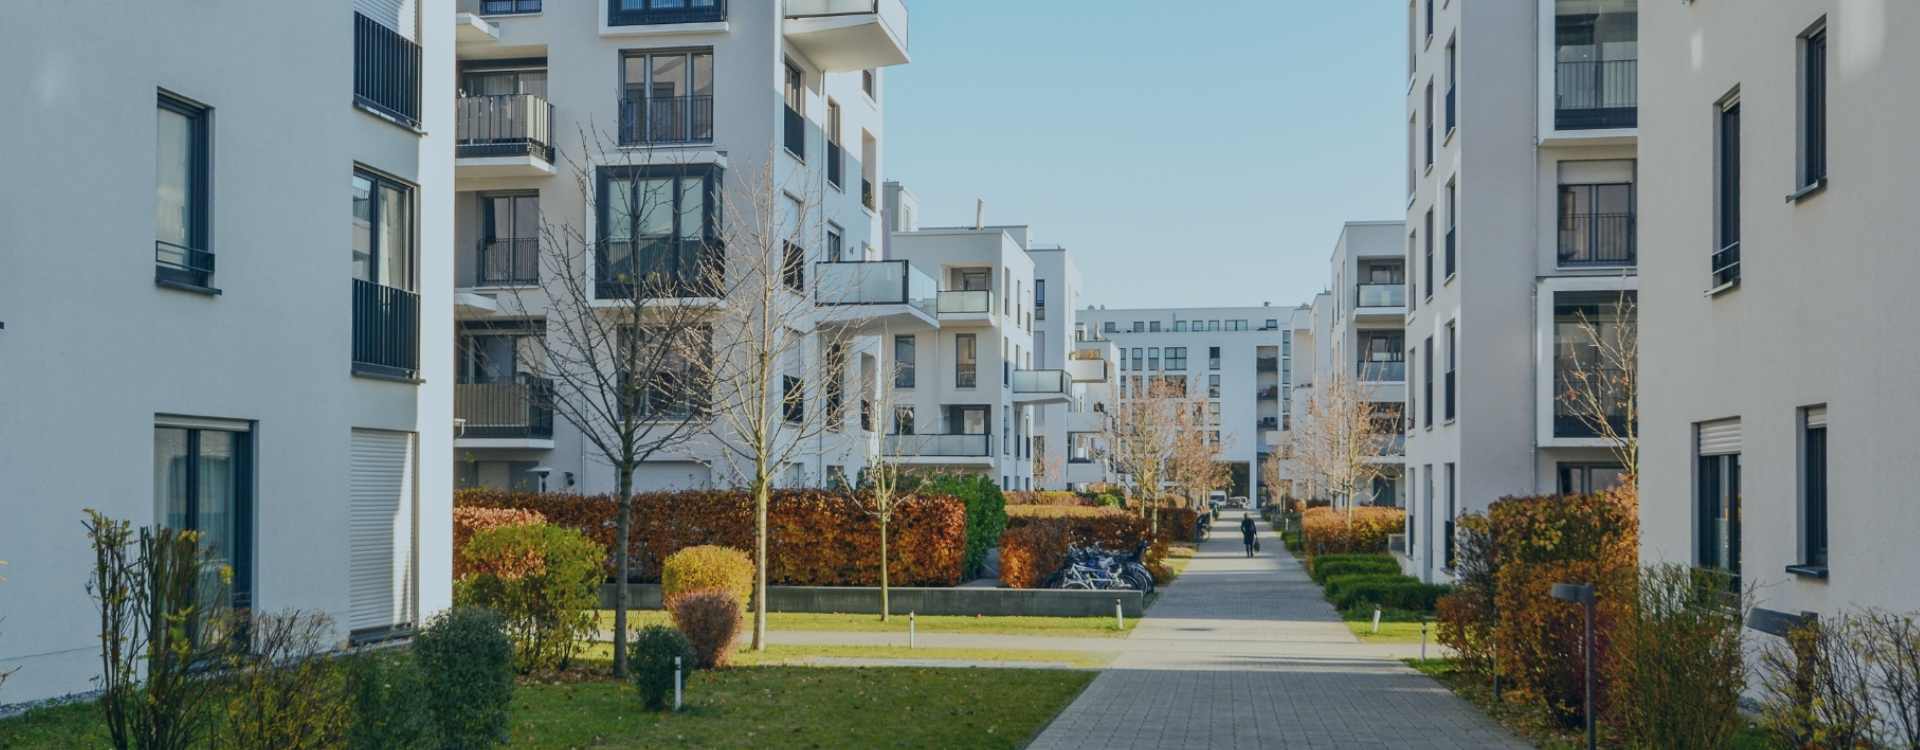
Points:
(805, 707)
(1072, 627)
(759, 706)
(800, 653)
(1396, 625)
(1529, 722)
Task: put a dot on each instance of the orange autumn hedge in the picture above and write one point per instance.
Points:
(1046, 497)
(1327, 532)
(470, 521)
(1034, 547)
(814, 537)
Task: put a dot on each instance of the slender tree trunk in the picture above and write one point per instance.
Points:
(621, 566)
(886, 614)
(760, 496)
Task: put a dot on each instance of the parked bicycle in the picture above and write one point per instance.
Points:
(1098, 569)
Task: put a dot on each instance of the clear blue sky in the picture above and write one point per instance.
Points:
(1188, 152)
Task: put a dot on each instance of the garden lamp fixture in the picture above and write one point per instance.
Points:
(1582, 594)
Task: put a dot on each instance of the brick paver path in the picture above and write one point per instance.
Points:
(1244, 653)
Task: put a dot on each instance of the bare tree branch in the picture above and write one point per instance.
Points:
(1599, 377)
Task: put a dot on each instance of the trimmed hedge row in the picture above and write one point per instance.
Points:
(1033, 548)
(1047, 497)
(1328, 566)
(1393, 591)
(814, 537)
(1327, 531)
(470, 521)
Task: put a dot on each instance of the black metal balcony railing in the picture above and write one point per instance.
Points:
(666, 119)
(1267, 364)
(505, 410)
(866, 194)
(1592, 94)
(386, 71)
(513, 262)
(180, 264)
(794, 132)
(1726, 264)
(1597, 239)
(836, 164)
(1269, 393)
(1450, 109)
(503, 125)
(978, 445)
(386, 330)
(499, 7)
(1269, 423)
(647, 12)
(1450, 266)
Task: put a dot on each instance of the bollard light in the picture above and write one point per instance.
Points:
(676, 683)
(1582, 594)
(913, 630)
(1119, 620)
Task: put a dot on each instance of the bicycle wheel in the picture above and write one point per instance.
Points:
(1077, 584)
(1138, 581)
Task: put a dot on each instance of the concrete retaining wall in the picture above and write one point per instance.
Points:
(926, 601)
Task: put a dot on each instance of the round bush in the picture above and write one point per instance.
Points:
(710, 619)
(650, 661)
(466, 662)
(543, 580)
(707, 567)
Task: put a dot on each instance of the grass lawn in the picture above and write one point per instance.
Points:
(1078, 627)
(795, 654)
(1396, 626)
(1528, 723)
(1179, 556)
(765, 706)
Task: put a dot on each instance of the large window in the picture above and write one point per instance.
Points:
(182, 253)
(1213, 358)
(1039, 299)
(905, 350)
(1453, 222)
(1428, 228)
(1426, 374)
(1596, 66)
(1718, 512)
(658, 226)
(202, 481)
(1584, 325)
(1176, 358)
(639, 12)
(1453, 513)
(966, 362)
(1380, 358)
(386, 311)
(498, 353)
(677, 389)
(1813, 106)
(1813, 490)
(1153, 358)
(1453, 358)
(1726, 259)
(666, 97)
(1596, 224)
(1588, 478)
(794, 127)
(509, 251)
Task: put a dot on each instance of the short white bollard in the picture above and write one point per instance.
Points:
(913, 627)
(676, 683)
(1119, 619)
(1423, 641)
(1376, 620)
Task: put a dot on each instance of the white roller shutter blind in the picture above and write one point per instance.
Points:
(393, 14)
(1721, 438)
(1817, 417)
(380, 533)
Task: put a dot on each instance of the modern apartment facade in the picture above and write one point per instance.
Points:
(1069, 448)
(1239, 360)
(698, 100)
(1364, 330)
(241, 378)
(1780, 236)
(1521, 182)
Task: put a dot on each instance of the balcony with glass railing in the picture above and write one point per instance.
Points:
(1041, 386)
(939, 446)
(891, 294)
(1381, 371)
(964, 303)
(1380, 295)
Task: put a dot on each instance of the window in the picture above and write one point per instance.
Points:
(794, 128)
(666, 97)
(835, 244)
(1429, 252)
(181, 251)
(868, 83)
(1413, 402)
(1139, 358)
(1427, 114)
(1271, 324)
(904, 350)
(1213, 386)
(656, 223)
(1176, 358)
(1179, 326)
(498, 7)
(386, 312)
(202, 481)
(1596, 224)
(793, 269)
(793, 398)
(1039, 299)
(1813, 491)
(1726, 260)
(1717, 500)
(903, 420)
(1426, 374)
(1581, 366)
(1413, 288)
(1139, 327)
(1453, 220)
(1213, 325)
(836, 155)
(1153, 358)
(1413, 136)
(1452, 513)
(1213, 358)
(1413, 515)
(510, 240)
(677, 389)
(503, 353)
(1453, 71)
(966, 365)
(1109, 327)
(1588, 478)
(1596, 46)
(509, 78)
(1453, 356)
(1237, 325)
(637, 12)
(1813, 106)
(1380, 357)
(1153, 326)
(836, 387)
(1429, 20)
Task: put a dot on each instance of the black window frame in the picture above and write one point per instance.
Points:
(375, 262)
(1426, 373)
(1453, 357)
(1453, 223)
(1814, 534)
(512, 7)
(1725, 261)
(190, 266)
(654, 12)
(1813, 106)
(706, 251)
(1428, 266)
(969, 375)
(1717, 490)
(905, 365)
(242, 554)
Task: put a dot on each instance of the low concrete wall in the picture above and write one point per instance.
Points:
(926, 601)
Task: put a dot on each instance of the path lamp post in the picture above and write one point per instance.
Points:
(1582, 594)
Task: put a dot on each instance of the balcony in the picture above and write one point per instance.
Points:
(1042, 387)
(965, 305)
(1266, 364)
(1380, 295)
(663, 269)
(508, 262)
(939, 448)
(665, 120)
(1597, 239)
(1087, 370)
(509, 135)
(1269, 393)
(386, 72)
(793, 133)
(386, 331)
(1382, 371)
(846, 35)
(867, 297)
(657, 12)
(505, 415)
(1596, 94)
(1726, 265)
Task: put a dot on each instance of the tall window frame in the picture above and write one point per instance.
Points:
(1813, 492)
(183, 193)
(1426, 374)
(906, 351)
(634, 239)
(1725, 263)
(187, 477)
(672, 99)
(387, 256)
(1813, 106)
(966, 360)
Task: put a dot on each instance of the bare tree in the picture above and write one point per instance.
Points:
(1273, 475)
(879, 492)
(1341, 437)
(1192, 464)
(767, 412)
(621, 323)
(1598, 369)
(1142, 436)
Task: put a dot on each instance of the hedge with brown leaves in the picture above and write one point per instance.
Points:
(470, 521)
(1033, 548)
(814, 537)
(1327, 531)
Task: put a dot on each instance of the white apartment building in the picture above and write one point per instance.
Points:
(1239, 359)
(227, 370)
(1069, 444)
(1362, 325)
(688, 99)
(1780, 263)
(1521, 180)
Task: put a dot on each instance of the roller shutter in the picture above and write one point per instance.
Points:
(381, 533)
(393, 14)
(1721, 438)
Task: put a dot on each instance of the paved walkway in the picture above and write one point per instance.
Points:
(1245, 653)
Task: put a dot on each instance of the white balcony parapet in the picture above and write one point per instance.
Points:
(844, 35)
(877, 294)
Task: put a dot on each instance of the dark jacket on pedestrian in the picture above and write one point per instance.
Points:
(1246, 530)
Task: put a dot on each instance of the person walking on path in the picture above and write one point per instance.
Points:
(1246, 533)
